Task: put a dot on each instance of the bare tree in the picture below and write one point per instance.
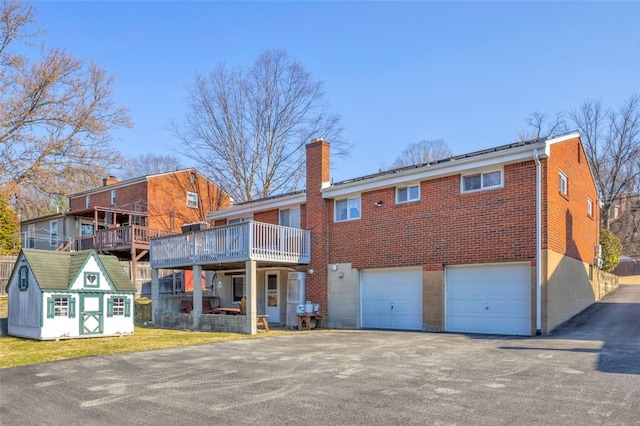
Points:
(422, 152)
(611, 139)
(248, 127)
(150, 164)
(57, 113)
(541, 126)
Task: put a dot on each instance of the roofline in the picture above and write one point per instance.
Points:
(270, 203)
(49, 216)
(492, 157)
(139, 180)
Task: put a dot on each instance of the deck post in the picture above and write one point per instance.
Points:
(250, 291)
(155, 293)
(197, 295)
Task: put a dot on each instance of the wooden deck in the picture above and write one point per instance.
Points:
(232, 243)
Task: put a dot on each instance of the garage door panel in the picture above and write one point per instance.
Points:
(493, 299)
(392, 299)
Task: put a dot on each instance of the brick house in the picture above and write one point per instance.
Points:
(497, 241)
(120, 217)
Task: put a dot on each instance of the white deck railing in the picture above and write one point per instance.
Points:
(232, 243)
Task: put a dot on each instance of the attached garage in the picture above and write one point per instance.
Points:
(491, 299)
(392, 298)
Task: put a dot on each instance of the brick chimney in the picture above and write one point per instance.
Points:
(317, 217)
(110, 180)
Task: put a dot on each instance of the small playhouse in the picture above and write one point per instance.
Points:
(61, 295)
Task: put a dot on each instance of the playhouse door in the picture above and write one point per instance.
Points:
(91, 314)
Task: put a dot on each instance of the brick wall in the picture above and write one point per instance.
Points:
(445, 226)
(570, 230)
(316, 217)
(268, 216)
(126, 197)
(167, 200)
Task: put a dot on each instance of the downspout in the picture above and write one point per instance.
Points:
(538, 243)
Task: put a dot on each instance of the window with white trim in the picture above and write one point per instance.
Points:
(192, 200)
(87, 201)
(564, 184)
(589, 207)
(53, 233)
(289, 217)
(347, 209)
(59, 305)
(113, 197)
(481, 181)
(405, 194)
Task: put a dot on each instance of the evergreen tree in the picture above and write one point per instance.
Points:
(9, 228)
(611, 250)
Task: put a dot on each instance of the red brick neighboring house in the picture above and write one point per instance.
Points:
(121, 217)
(497, 241)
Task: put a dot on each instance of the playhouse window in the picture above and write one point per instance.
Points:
(60, 306)
(23, 278)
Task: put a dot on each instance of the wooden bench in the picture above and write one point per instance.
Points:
(305, 321)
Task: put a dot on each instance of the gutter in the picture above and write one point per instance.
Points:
(538, 243)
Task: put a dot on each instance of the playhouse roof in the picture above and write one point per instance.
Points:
(55, 270)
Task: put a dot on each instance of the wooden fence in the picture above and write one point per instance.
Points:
(6, 266)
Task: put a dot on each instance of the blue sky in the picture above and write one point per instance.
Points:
(397, 72)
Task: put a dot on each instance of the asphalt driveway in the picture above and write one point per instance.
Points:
(588, 372)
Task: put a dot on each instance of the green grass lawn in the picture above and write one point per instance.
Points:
(16, 351)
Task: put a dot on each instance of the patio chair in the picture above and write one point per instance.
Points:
(186, 306)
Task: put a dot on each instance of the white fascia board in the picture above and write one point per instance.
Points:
(245, 210)
(453, 167)
(563, 138)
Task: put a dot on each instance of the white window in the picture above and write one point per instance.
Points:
(192, 200)
(589, 207)
(290, 218)
(60, 306)
(238, 287)
(347, 209)
(564, 184)
(407, 193)
(480, 181)
(53, 233)
(87, 201)
(118, 306)
(113, 197)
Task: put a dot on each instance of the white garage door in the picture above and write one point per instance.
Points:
(392, 299)
(492, 299)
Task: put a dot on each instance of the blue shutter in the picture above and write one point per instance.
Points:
(110, 307)
(127, 307)
(50, 310)
(72, 307)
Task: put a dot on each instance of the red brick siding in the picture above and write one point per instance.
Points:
(315, 213)
(268, 216)
(445, 226)
(126, 197)
(570, 230)
(167, 202)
